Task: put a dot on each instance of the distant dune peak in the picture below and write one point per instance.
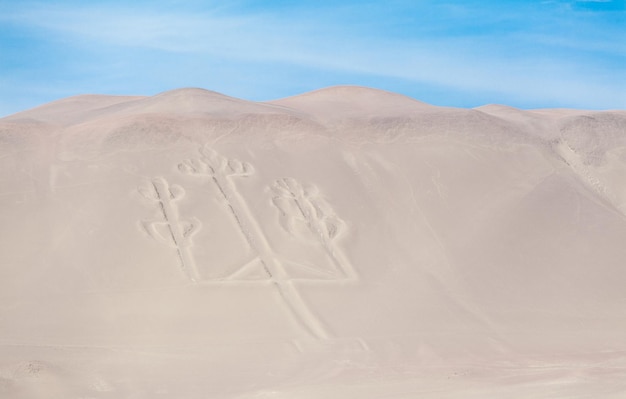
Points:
(338, 102)
(193, 92)
(347, 93)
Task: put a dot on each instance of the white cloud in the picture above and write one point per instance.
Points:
(477, 63)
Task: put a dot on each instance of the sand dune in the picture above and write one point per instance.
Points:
(347, 243)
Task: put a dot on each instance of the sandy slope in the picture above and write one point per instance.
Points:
(346, 243)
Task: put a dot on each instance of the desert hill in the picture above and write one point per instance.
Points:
(347, 242)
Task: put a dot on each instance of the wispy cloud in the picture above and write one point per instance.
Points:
(534, 58)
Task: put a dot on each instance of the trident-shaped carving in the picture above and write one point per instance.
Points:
(170, 229)
(221, 172)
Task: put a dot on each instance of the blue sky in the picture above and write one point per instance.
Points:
(528, 54)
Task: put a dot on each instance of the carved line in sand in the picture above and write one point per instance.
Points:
(304, 213)
(301, 209)
(221, 171)
(171, 230)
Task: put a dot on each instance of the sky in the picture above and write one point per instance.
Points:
(526, 54)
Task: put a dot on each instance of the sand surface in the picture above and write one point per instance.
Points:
(343, 243)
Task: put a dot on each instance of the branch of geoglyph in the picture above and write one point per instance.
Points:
(150, 190)
(299, 204)
(170, 230)
(211, 163)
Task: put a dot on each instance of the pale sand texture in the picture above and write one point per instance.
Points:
(343, 243)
